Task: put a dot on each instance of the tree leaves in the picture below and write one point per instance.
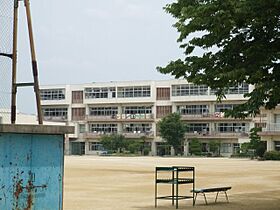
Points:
(246, 37)
(172, 129)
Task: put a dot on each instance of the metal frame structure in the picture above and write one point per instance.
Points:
(174, 179)
(13, 56)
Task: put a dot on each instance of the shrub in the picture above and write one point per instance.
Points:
(272, 155)
(195, 147)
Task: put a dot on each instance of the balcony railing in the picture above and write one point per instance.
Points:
(126, 134)
(218, 134)
(121, 117)
(272, 127)
(138, 134)
(96, 134)
(55, 118)
(215, 115)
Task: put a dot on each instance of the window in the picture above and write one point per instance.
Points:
(82, 128)
(106, 92)
(95, 146)
(239, 89)
(163, 93)
(224, 107)
(103, 111)
(193, 109)
(52, 94)
(137, 127)
(277, 145)
(134, 92)
(162, 111)
(78, 113)
(103, 128)
(226, 148)
(260, 125)
(189, 90)
(77, 97)
(137, 110)
(198, 127)
(55, 113)
(232, 127)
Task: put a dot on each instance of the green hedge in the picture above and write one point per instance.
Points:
(272, 155)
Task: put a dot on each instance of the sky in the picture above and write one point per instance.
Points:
(95, 41)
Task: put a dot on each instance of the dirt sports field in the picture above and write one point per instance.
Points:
(127, 183)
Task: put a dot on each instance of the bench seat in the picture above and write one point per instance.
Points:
(209, 190)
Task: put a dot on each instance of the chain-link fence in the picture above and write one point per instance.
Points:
(6, 47)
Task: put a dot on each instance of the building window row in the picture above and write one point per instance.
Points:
(193, 109)
(137, 110)
(137, 128)
(239, 89)
(192, 89)
(134, 92)
(103, 128)
(197, 127)
(232, 127)
(224, 107)
(103, 111)
(189, 90)
(55, 113)
(123, 92)
(52, 94)
(106, 92)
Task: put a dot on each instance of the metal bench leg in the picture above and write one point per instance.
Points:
(205, 199)
(173, 194)
(217, 196)
(226, 196)
(194, 199)
(177, 192)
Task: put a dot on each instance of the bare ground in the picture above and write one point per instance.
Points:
(127, 183)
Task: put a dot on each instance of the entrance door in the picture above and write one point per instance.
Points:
(77, 148)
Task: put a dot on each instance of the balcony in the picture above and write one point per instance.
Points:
(94, 135)
(271, 129)
(55, 118)
(216, 116)
(138, 134)
(262, 118)
(216, 134)
(122, 118)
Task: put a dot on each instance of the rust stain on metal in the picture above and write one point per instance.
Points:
(29, 188)
(18, 191)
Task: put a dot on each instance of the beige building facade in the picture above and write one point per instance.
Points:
(270, 122)
(133, 108)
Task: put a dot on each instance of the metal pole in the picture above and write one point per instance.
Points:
(14, 64)
(34, 62)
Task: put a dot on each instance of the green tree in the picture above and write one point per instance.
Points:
(214, 147)
(240, 41)
(195, 147)
(114, 142)
(172, 129)
(134, 146)
(256, 143)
